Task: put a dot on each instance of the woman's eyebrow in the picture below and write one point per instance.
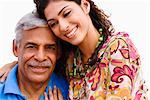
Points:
(58, 13)
(62, 9)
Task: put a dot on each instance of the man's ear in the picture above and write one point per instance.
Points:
(15, 48)
(85, 5)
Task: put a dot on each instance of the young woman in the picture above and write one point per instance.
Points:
(100, 64)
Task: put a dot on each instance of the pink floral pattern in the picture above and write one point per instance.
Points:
(116, 77)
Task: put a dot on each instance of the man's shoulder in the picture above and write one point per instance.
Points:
(7, 84)
(2, 85)
(58, 79)
(61, 83)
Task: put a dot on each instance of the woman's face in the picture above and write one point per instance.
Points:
(68, 20)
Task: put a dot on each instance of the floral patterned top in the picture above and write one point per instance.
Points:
(115, 76)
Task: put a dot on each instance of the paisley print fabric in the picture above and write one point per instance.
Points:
(117, 76)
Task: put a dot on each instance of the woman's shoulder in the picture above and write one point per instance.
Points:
(113, 40)
(123, 37)
(121, 42)
(119, 35)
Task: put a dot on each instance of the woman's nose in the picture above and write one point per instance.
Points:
(64, 25)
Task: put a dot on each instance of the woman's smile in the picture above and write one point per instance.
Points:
(72, 33)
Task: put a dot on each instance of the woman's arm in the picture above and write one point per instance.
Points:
(4, 71)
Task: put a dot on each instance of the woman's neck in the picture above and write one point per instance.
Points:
(89, 43)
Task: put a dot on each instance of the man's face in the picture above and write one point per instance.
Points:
(37, 54)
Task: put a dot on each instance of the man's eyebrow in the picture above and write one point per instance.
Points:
(34, 44)
(54, 44)
(30, 43)
(58, 13)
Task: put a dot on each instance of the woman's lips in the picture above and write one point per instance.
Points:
(72, 33)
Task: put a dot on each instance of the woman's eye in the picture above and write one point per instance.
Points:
(53, 24)
(67, 13)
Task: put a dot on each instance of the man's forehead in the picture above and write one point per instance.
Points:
(39, 35)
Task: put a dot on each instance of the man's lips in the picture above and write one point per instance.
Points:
(39, 69)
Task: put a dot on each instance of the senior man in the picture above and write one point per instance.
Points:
(37, 51)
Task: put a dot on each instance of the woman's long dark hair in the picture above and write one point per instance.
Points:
(98, 17)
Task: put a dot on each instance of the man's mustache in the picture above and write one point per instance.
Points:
(41, 64)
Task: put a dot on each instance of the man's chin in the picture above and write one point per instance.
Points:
(39, 78)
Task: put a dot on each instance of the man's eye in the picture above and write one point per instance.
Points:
(30, 46)
(51, 47)
(67, 13)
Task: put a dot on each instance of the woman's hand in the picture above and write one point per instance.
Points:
(54, 94)
(4, 71)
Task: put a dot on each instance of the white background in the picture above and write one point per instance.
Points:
(132, 16)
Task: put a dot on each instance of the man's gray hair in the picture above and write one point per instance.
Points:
(28, 22)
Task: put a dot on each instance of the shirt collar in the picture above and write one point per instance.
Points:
(11, 84)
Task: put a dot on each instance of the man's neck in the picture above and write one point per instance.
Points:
(31, 90)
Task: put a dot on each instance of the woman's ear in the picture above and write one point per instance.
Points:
(85, 5)
(15, 48)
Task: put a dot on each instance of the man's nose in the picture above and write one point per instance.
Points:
(40, 55)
